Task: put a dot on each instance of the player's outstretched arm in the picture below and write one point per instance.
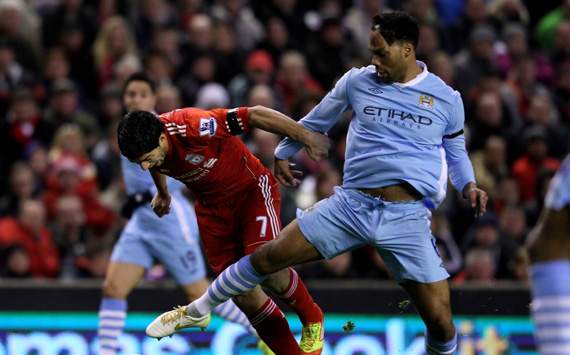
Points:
(161, 201)
(316, 144)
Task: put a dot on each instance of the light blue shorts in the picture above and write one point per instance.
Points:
(173, 240)
(400, 231)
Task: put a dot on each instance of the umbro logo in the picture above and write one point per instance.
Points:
(375, 90)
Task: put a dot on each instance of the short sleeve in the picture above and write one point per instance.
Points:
(204, 125)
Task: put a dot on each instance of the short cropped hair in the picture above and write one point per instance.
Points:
(396, 26)
(140, 77)
(138, 133)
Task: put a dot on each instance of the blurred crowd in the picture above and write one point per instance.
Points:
(62, 65)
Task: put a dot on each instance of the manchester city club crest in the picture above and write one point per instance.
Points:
(426, 101)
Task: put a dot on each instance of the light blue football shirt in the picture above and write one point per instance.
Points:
(558, 195)
(400, 132)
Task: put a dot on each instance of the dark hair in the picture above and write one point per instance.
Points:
(140, 77)
(138, 133)
(396, 26)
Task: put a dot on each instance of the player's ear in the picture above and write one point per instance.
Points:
(408, 49)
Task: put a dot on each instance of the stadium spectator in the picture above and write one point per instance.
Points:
(490, 164)
(114, 42)
(167, 98)
(278, 39)
(474, 61)
(28, 230)
(159, 67)
(545, 31)
(228, 54)
(474, 14)
(561, 93)
(110, 107)
(331, 42)
(261, 95)
(22, 188)
(12, 74)
(151, 15)
(19, 27)
(72, 173)
(485, 234)
(70, 233)
(542, 112)
(258, 71)
(15, 262)
(358, 21)
(212, 95)
(480, 266)
(294, 79)
(525, 169)
(166, 40)
(242, 20)
(512, 223)
(64, 107)
(441, 65)
(22, 126)
(507, 195)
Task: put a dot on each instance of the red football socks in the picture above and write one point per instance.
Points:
(298, 297)
(273, 329)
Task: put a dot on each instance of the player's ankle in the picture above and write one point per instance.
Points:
(316, 315)
(192, 310)
(199, 307)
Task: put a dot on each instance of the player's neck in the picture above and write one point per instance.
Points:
(412, 72)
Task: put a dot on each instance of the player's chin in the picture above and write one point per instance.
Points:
(386, 79)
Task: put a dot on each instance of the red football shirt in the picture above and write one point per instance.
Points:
(204, 155)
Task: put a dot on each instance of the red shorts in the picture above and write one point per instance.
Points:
(238, 227)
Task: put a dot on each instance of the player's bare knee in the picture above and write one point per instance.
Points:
(263, 260)
(112, 289)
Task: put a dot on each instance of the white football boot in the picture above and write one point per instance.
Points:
(169, 322)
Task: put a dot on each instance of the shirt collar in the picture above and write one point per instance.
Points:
(421, 76)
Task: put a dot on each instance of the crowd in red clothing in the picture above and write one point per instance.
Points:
(62, 65)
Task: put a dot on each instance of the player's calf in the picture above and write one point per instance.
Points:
(440, 328)
(273, 329)
(290, 288)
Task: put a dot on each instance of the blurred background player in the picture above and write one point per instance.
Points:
(549, 251)
(238, 202)
(406, 130)
(173, 240)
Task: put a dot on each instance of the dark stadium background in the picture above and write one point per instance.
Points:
(62, 64)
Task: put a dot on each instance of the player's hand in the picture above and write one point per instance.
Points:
(317, 145)
(284, 173)
(160, 204)
(477, 198)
